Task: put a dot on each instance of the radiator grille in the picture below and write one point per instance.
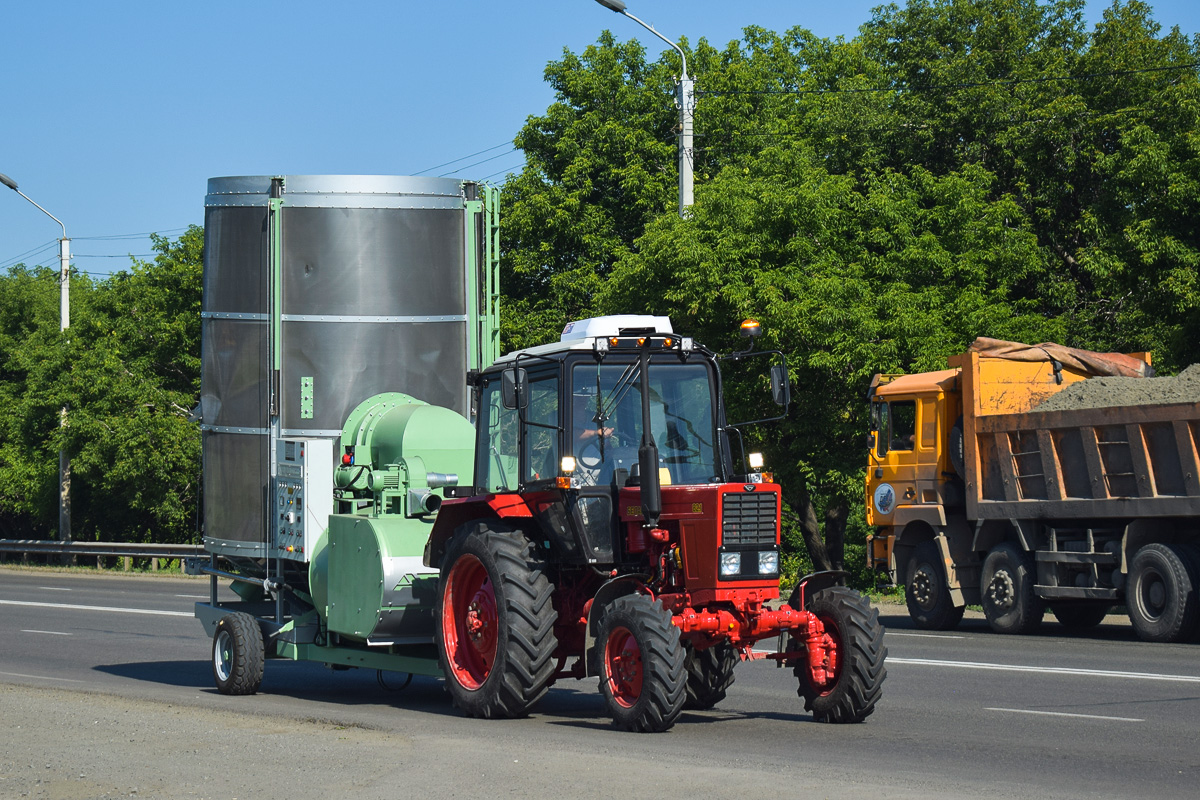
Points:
(748, 519)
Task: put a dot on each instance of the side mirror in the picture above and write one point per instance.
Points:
(781, 388)
(514, 390)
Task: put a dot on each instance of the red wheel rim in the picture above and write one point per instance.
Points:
(469, 622)
(623, 666)
(833, 659)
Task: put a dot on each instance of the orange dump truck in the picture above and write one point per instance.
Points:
(1031, 477)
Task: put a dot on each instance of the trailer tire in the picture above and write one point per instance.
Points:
(1161, 594)
(495, 622)
(857, 684)
(641, 657)
(926, 591)
(237, 654)
(1080, 616)
(709, 675)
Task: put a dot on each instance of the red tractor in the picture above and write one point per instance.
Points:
(610, 532)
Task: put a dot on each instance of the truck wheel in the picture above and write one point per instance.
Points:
(237, 654)
(496, 624)
(1161, 594)
(1009, 601)
(927, 593)
(855, 662)
(642, 675)
(709, 674)
(1080, 616)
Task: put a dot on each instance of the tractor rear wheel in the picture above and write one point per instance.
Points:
(642, 674)
(709, 675)
(495, 622)
(854, 663)
(237, 654)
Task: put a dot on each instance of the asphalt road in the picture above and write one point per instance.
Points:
(109, 682)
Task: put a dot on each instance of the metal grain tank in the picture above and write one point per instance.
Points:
(319, 292)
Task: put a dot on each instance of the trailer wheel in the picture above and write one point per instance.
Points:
(926, 591)
(642, 673)
(1161, 594)
(237, 654)
(496, 625)
(1080, 616)
(709, 675)
(855, 661)
(1009, 600)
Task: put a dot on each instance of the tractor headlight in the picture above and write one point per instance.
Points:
(768, 562)
(731, 564)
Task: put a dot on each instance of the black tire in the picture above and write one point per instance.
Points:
(1080, 616)
(237, 654)
(926, 591)
(495, 626)
(857, 684)
(1006, 586)
(641, 661)
(1161, 594)
(709, 675)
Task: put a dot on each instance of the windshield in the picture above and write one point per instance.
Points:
(606, 421)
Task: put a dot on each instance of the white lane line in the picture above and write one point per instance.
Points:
(1097, 673)
(52, 633)
(1063, 714)
(193, 596)
(97, 608)
(925, 635)
(55, 588)
(39, 677)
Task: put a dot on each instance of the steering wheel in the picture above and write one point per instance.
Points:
(589, 456)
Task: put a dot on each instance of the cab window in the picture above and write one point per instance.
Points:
(903, 417)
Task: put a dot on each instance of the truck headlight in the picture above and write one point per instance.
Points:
(731, 564)
(768, 562)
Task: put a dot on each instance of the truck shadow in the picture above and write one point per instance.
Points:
(1115, 628)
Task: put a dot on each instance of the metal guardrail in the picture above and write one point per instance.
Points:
(103, 549)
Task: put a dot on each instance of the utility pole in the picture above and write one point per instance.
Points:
(685, 101)
(64, 316)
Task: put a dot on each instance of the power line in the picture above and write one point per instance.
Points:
(483, 161)
(501, 172)
(950, 86)
(464, 158)
(28, 254)
(130, 235)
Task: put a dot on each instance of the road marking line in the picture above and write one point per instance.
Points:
(39, 677)
(925, 635)
(1098, 673)
(193, 596)
(55, 588)
(52, 633)
(97, 608)
(1064, 714)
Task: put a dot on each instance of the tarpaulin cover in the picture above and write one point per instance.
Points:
(1100, 364)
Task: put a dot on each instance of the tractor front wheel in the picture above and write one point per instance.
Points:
(642, 674)
(854, 661)
(496, 622)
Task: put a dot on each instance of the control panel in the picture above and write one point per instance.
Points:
(303, 495)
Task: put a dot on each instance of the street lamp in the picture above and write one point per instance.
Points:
(685, 101)
(64, 280)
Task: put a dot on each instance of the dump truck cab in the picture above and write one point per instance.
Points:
(914, 443)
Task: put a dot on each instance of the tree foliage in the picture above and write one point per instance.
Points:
(960, 168)
(128, 373)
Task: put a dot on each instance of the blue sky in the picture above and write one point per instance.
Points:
(114, 115)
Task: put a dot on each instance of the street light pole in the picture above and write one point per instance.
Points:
(64, 316)
(685, 101)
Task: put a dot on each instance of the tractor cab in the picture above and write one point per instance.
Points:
(617, 403)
